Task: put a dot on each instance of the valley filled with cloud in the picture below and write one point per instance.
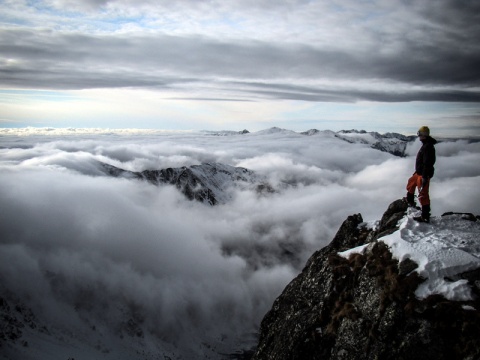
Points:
(119, 266)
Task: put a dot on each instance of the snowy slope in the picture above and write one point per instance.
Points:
(444, 249)
(275, 130)
(392, 143)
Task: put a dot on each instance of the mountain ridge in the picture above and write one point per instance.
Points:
(208, 183)
(365, 304)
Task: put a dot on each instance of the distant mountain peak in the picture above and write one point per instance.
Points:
(227, 132)
(276, 130)
(392, 143)
(208, 182)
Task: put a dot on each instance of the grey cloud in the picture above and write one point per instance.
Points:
(292, 92)
(73, 61)
(452, 14)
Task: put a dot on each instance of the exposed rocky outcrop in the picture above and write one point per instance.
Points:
(364, 307)
(208, 182)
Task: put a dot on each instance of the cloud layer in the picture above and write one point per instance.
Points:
(311, 51)
(136, 256)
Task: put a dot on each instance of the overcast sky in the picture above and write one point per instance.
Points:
(187, 64)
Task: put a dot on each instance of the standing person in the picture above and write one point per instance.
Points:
(423, 173)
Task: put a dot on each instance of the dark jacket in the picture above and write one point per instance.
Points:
(426, 158)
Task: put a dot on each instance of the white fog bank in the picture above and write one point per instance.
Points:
(80, 245)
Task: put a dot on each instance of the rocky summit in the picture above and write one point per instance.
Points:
(365, 305)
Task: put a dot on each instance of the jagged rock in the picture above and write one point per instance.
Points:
(186, 179)
(388, 224)
(207, 182)
(364, 307)
(406, 266)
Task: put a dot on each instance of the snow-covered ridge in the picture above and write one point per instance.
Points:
(392, 143)
(443, 249)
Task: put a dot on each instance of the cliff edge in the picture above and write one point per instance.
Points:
(399, 290)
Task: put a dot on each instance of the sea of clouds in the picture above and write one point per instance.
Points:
(86, 250)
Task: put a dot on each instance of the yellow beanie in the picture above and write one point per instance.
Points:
(423, 131)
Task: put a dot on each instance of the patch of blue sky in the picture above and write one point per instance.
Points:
(220, 23)
(69, 18)
(7, 19)
(41, 8)
(108, 23)
(122, 21)
(225, 20)
(38, 13)
(12, 96)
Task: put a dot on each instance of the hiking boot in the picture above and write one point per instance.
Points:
(421, 219)
(410, 200)
(425, 217)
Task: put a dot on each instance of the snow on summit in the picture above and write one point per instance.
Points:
(443, 249)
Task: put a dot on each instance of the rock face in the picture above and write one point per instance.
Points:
(364, 307)
(208, 182)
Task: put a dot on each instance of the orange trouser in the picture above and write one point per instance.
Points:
(414, 182)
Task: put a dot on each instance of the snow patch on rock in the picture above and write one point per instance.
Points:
(443, 249)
